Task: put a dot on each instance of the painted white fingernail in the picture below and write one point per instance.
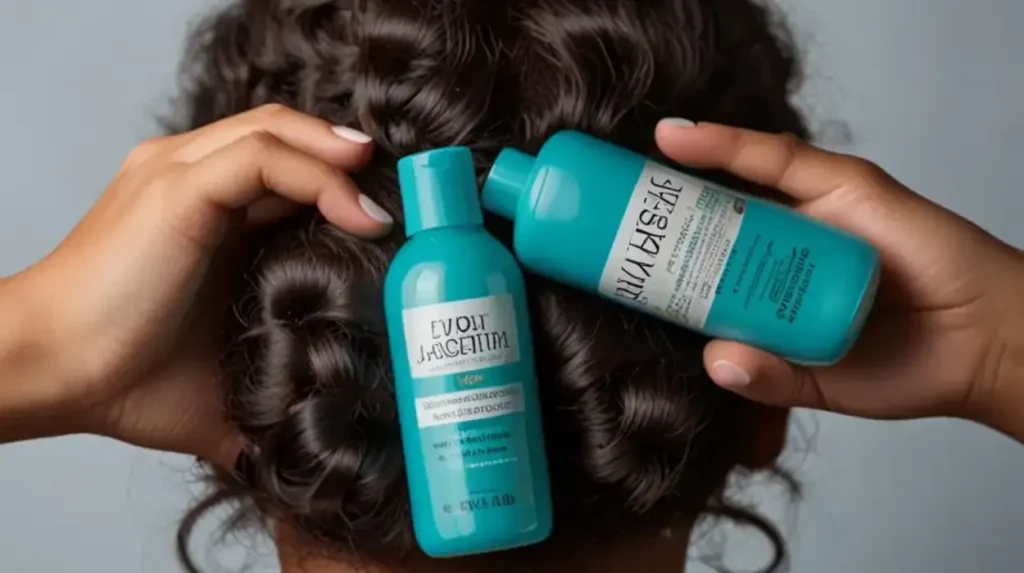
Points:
(351, 134)
(679, 122)
(375, 211)
(728, 375)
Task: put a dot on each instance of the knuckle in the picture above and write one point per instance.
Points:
(866, 171)
(808, 392)
(788, 149)
(260, 142)
(168, 177)
(790, 142)
(272, 110)
(178, 196)
(144, 151)
(789, 146)
(164, 182)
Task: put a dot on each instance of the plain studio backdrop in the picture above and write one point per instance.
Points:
(930, 89)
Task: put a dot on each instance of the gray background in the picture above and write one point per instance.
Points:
(932, 90)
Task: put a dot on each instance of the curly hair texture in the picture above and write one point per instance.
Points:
(639, 439)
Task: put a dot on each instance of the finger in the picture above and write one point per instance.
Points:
(340, 146)
(260, 166)
(779, 161)
(761, 377)
(269, 210)
(223, 446)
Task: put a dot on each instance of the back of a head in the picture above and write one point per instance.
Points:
(639, 439)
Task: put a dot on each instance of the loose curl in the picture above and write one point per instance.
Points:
(639, 439)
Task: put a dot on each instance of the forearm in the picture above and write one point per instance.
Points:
(29, 387)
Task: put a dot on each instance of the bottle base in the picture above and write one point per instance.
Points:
(464, 547)
(857, 321)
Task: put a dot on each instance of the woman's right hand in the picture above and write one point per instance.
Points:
(946, 337)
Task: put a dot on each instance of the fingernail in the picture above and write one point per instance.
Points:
(351, 134)
(679, 122)
(375, 211)
(729, 375)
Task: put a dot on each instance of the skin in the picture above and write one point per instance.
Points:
(152, 244)
(947, 340)
(664, 553)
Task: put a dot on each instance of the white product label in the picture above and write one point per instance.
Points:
(672, 246)
(455, 337)
(468, 405)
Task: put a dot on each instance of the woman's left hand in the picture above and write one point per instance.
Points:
(125, 307)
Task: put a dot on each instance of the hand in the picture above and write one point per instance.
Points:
(948, 326)
(128, 303)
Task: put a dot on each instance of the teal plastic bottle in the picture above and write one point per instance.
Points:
(610, 221)
(465, 380)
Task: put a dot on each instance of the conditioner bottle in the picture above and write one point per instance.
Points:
(610, 221)
(463, 362)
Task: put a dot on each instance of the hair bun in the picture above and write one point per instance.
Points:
(316, 405)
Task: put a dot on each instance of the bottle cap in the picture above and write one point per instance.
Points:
(439, 189)
(507, 182)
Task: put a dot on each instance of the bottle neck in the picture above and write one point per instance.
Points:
(465, 228)
(442, 211)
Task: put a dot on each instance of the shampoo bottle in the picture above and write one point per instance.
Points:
(609, 221)
(464, 371)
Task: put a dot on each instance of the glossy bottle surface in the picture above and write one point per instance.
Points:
(609, 221)
(466, 388)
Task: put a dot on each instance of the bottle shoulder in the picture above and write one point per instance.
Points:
(459, 244)
(446, 256)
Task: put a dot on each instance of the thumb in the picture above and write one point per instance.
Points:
(762, 377)
(779, 161)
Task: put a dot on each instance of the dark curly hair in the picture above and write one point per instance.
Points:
(639, 439)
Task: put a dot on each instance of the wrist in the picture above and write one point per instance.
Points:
(1004, 406)
(1006, 411)
(32, 391)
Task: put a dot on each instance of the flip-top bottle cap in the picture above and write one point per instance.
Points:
(439, 189)
(507, 182)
